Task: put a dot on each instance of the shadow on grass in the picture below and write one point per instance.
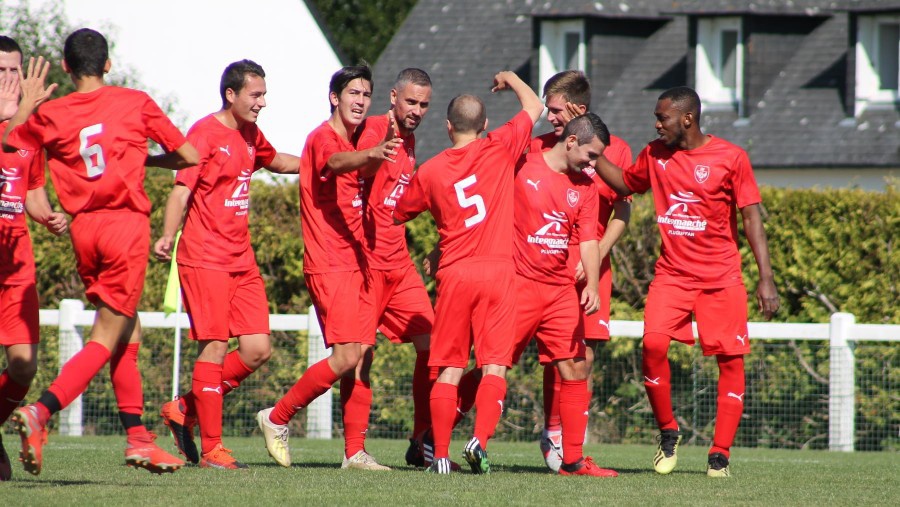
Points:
(39, 483)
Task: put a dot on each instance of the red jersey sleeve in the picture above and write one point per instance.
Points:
(637, 176)
(746, 191)
(326, 145)
(265, 152)
(414, 201)
(36, 170)
(160, 128)
(373, 132)
(29, 135)
(190, 176)
(515, 134)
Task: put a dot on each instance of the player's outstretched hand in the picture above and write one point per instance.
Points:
(767, 299)
(392, 130)
(9, 96)
(590, 300)
(34, 93)
(570, 111)
(162, 249)
(502, 80)
(57, 223)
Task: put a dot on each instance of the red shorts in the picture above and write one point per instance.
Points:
(111, 251)
(548, 313)
(344, 306)
(221, 304)
(19, 315)
(596, 325)
(721, 317)
(403, 309)
(476, 302)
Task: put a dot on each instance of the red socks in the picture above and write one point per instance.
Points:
(489, 407)
(443, 417)
(78, 372)
(468, 388)
(552, 385)
(206, 385)
(730, 402)
(423, 380)
(317, 379)
(11, 394)
(126, 379)
(234, 371)
(356, 404)
(573, 410)
(657, 378)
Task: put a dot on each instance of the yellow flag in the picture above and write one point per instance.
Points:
(173, 286)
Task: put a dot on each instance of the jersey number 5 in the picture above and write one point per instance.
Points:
(468, 202)
(95, 166)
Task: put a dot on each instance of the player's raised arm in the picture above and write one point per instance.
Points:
(34, 93)
(508, 80)
(611, 174)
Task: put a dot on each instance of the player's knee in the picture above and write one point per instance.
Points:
(22, 371)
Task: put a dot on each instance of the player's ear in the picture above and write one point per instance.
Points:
(333, 98)
(687, 120)
(229, 96)
(107, 66)
(393, 97)
(571, 141)
(581, 108)
(485, 127)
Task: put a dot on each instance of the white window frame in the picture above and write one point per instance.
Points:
(708, 72)
(868, 82)
(551, 54)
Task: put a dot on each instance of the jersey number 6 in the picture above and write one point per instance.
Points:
(95, 167)
(468, 202)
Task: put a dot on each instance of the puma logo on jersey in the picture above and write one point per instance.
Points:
(603, 323)
(741, 339)
(533, 184)
(217, 389)
(739, 397)
(661, 163)
(654, 381)
(501, 404)
(225, 150)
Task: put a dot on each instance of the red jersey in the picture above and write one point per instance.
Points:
(330, 206)
(216, 231)
(385, 242)
(469, 191)
(695, 193)
(550, 206)
(20, 172)
(97, 145)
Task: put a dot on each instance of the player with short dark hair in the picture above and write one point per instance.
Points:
(568, 94)
(553, 199)
(22, 186)
(403, 311)
(469, 190)
(224, 294)
(96, 142)
(335, 270)
(699, 181)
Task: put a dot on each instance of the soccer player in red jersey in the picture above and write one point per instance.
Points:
(554, 198)
(403, 311)
(21, 191)
(224, 294)
(568, 94)
(334, 267)
(469, 190)
(96, 142)
(698, 183)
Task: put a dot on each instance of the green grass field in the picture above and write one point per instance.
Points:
(90, 471)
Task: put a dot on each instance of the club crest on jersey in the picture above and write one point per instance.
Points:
(701, 173)
(572, 197)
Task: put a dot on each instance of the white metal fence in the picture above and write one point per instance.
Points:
(841, 333)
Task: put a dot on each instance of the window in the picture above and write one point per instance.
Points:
(877, 61)
(562, 48)
(720, 59)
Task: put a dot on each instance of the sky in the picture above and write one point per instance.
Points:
(178, 49)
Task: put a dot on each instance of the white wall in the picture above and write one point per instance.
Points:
(179, 48)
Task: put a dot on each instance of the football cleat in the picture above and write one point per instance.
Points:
(477, 457)
(667, 453)
(586, 466)
(31, 431)
(441, 466)
(220, 457)
(182, 428)
(362, 461)
(551, 449)
(414, 456)
(5, 465)
(426, 446)
(141, 451)
(717, 466)
(276, 436)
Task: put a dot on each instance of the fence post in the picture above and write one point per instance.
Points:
(70, 343)
(842, 384)
(318, 413)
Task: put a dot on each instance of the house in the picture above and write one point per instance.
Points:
(177, 50)
(809, 87)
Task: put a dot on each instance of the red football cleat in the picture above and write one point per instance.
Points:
(586, 467)
(142, 452)
(31, 430)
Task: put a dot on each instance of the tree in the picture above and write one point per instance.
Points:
(363, 28)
